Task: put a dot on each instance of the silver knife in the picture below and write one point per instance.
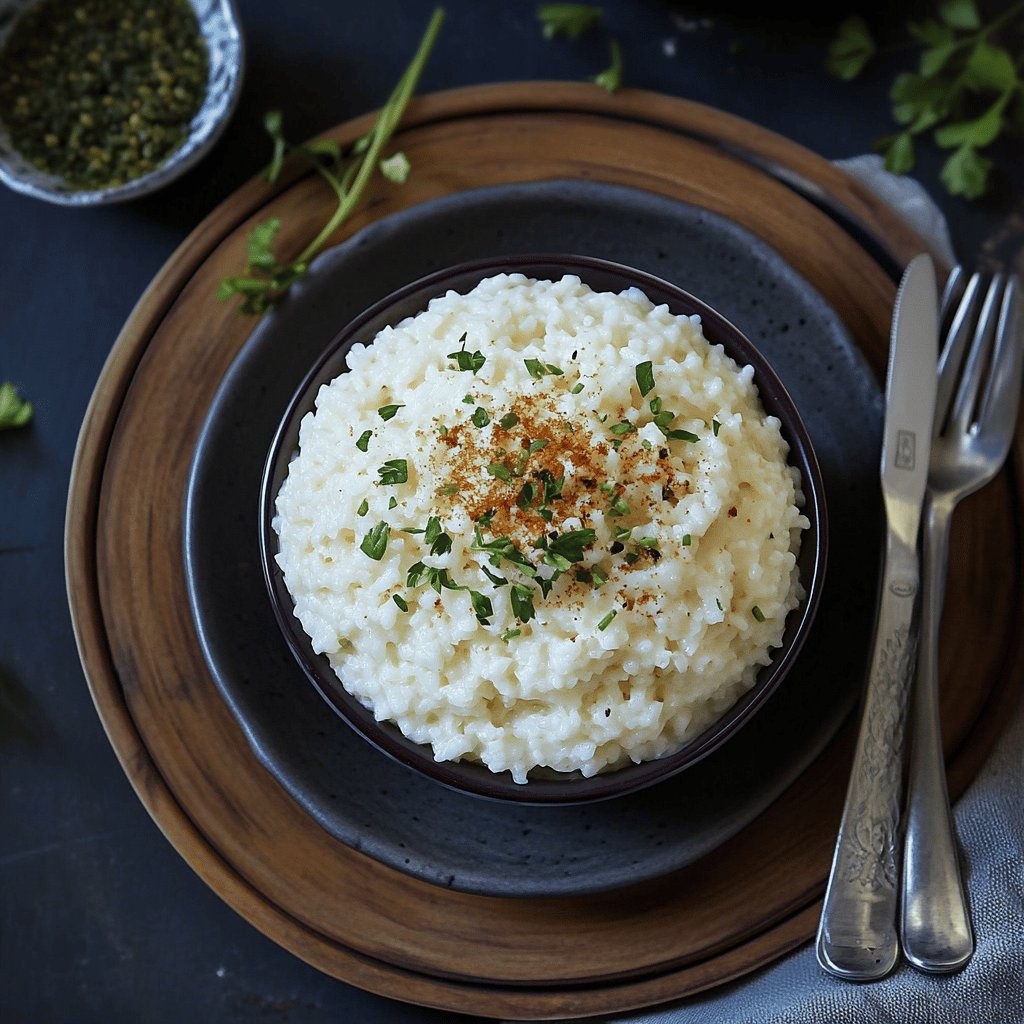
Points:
(857, 933)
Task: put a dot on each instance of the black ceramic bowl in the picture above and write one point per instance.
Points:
(545, 786)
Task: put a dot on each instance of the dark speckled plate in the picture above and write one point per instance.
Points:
(407, 821)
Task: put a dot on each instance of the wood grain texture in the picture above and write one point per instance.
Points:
(743, 906)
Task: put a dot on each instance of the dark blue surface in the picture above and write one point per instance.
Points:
(100, 919)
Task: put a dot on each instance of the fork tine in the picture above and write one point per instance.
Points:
(952, 293)
(965, 402)
(998, 414)
(957, 335)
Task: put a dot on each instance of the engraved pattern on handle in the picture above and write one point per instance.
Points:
(870, 839)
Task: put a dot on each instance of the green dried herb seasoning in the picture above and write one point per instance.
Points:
(99, 92)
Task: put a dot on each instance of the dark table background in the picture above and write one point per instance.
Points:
(100, 919)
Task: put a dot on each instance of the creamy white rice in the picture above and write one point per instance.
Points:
(651, 627)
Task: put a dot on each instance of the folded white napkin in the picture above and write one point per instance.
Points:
(990, 824)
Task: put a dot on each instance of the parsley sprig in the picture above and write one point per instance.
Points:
(967, 90)
(268, 278)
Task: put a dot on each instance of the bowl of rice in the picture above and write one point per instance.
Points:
(546, 529)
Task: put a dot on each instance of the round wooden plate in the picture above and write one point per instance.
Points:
(752, 900)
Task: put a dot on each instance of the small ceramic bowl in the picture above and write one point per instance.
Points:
(545, 786)
(220, 27)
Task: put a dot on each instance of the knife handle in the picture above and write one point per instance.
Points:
(857, 936)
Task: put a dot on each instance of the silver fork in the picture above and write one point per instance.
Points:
(974, 427)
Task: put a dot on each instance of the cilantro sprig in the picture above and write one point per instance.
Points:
(967, 90)
(268, 277)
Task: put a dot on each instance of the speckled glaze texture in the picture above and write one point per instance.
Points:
(404, 819)
(219, 24)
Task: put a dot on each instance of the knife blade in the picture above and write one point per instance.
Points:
(857, 933)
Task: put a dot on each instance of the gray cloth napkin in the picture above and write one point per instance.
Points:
(990, 824)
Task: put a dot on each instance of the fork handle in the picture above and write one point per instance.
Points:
(935, 927)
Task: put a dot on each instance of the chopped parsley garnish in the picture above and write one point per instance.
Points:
(438, 578)
(393, 503)
(480, 417)
(498, 581)
(681, 435)
(648, 542)
(716, 427)
(394, 471)
(521, 599)
(385, 412)
(400, 601)
(607, 620)
(686, 540)
(537, 369)
(535, 446)
(645, 378)
(364, 440)
(719, 603)
(468, 400)
(375, 543)
(570, 545)
(502, 549)
(623, 533)
(757, 613)
(526, 495)
(577, 388)
(482, 607)
(471, 361)
(448, 489)
(655, 405)
(510, 419)
(620, 507)
(500, 470)
(510, 634)
(363, 508)
(439, 541)
(622, 428)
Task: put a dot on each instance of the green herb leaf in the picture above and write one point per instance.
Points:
(15, 411)
(510, 634)
(394, 471)
(468, 361)
(498, 581)
(521, 600)
(537, 369)
(400, 601)
(607, 620)
(364, 440)
(966, 173)
(622, 428)
(611, 78)
(396, 168)
(480, 417)
(686, 541)
(577, 388)
(852, 48)
(482, 607)
(386, 412)
(757, 613)
(571, 545)
(681, 435)
(645, 378)
(364, 507)
(568, 20)
(500, 470)
(375, 543)
(510, 419)
(393, 503)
